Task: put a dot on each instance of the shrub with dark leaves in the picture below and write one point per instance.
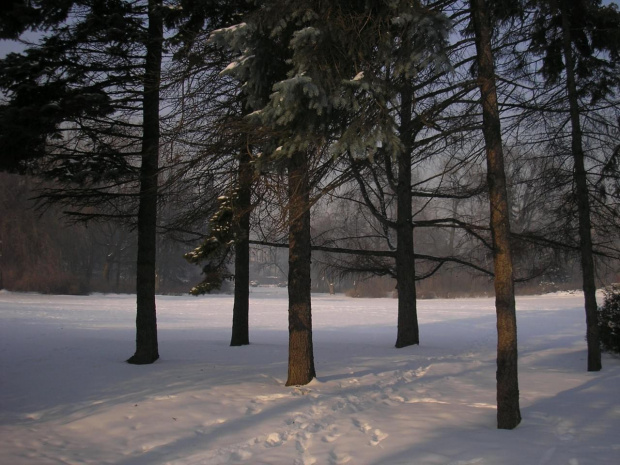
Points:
(609, 321)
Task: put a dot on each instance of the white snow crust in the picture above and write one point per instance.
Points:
(67, 397)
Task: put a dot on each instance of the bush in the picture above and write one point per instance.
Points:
(58, 282)
(373, 288)
(609, 321)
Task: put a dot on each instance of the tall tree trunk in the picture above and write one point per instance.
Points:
(407, 331)
(508, 413)
(301, 355)
(241, 307)
(583, 202)
(146, 320)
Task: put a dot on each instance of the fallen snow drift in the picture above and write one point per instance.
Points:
(67, 397)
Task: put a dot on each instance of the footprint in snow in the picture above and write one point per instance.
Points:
(377, 437)
(353, 404)
(565, 431)
(361, 425)
(339, 406)
(303, 441)
(301, 446)
(317, 409)
(422, 371)
(300, 420)
(305, 460)
(337, 458)
(276, 439)
(240, 455)
(331, 436)
(253, 410)
(301, 391)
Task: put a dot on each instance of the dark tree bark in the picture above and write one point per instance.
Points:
(407, 330)
(583, 202)
(508, 413)
(301, 355)
(146, 319)
(241, 307)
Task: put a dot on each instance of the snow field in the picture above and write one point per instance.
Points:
(67, 397)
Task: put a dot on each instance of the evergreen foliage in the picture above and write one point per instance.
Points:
(319, 75)
(595, 39)
(69, 98)
(315, 71)
(18, 16)
(216, 251)
(579, 43)
(609, 321)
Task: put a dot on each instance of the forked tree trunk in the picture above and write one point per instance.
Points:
(583, 202)
(146, 319)
(508, 413)
(241, 307)
(407, 330)
(300, 356)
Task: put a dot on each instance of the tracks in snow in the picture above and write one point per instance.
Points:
(326, 418)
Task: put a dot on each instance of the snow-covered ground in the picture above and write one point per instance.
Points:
(67, 397)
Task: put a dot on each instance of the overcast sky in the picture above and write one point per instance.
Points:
(8, 46)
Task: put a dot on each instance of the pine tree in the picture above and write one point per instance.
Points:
(580, 45)
(313, 74)
(146, 319)
(83, 106)
(214, 133)
(508, 412)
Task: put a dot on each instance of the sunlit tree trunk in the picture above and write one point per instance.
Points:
(301, 356)
(508, 413)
